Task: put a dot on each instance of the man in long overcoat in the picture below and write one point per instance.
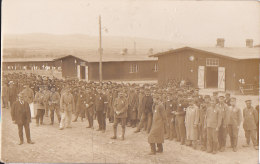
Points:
(191, 123)
(156, 134)
(21, 116)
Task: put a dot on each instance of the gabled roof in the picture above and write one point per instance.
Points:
(66, 56)
(226, 52)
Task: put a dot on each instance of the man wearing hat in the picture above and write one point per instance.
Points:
(222, 133)
(21, 116)
(249, 124)
(234, 123)
(80, 105)
(54, 100)
(120, 108)
(39, 105)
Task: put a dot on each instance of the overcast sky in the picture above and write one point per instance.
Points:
(188, 22)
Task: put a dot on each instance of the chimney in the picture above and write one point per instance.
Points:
(249, 43)
(220, 42)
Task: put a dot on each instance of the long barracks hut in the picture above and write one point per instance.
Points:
(216, 67)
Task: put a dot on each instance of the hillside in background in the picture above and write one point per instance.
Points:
(50, 45)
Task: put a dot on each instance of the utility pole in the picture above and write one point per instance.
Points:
(100, 51)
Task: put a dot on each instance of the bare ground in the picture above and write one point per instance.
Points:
(83, 145)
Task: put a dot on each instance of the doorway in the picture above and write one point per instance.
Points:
(82, 72)
(212, 77)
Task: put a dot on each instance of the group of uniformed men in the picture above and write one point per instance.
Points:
(170, 111)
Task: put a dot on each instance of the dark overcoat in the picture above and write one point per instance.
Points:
(156, 134)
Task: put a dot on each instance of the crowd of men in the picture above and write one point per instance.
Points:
(171, 111)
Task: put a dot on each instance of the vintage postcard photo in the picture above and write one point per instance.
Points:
(127, 81)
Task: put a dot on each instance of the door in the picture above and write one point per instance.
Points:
(78, 72)
(86, 73)
(221, 78)
(201, 72)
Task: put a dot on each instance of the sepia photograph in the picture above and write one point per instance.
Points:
(130, 81)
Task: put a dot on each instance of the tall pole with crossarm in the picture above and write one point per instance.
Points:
(100, 50)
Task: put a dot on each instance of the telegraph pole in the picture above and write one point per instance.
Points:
(100, 50)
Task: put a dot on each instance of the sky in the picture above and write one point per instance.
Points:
(197, 23)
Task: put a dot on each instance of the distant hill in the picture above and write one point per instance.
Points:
(41, 44)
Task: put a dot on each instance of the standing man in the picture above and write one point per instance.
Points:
(120, 109)
(191, 123)
(156, 135)
(100, 110)
(80, 105)
(54, 100)
(67, 105)
(250, 124)
(147, 114)
(132, 107)
(39, 105)
(46, 93)
(170, 108)
(222, 133)
(89, 107)
(21, 116)
(202, 121)
(213, 122)
(234, 123)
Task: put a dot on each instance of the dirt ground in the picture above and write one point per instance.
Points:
(83, 145)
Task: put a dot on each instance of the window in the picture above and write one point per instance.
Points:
(134, 68)
(212, 62)
(156, 67)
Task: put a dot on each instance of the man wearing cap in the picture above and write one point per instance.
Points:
(249, 125)
(21, 116)
(191, 123)
(170, 107)
(227, 99)
(100, 110)
(180, 118)
(156, 134)
(140, 104)
(39, 105)
(120, 108)
(234, 123)
(132, 107)
(147, 114)
(80, 105)
(202, 121)
(54, 100)
(213, 123)
(222, 133)
(89, 103)
(67, 105)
